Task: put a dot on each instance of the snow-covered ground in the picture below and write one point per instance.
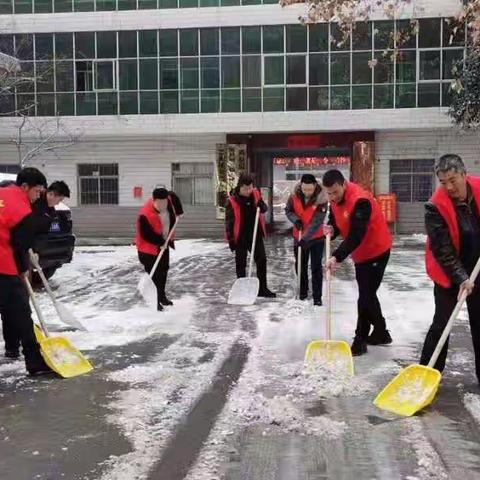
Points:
(157, 366)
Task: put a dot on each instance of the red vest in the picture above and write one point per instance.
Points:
(445, 207)
(14, 207)
(237, 215)
(151, 214)
(377, 239)
(305, 213)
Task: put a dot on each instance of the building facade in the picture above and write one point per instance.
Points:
(156, 90)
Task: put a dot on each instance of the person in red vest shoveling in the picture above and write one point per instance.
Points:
(240, 212)
(306, 209)
(452, 221)
(357, 217)
(155, 220)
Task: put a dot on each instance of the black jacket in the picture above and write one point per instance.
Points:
(248, 212)
(43, 215)
(457, 266)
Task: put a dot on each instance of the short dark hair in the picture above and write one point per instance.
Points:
(308, 178)
(448, 162)
(331, 177)
(160, 194)
(31, 176)
(244, 179)
(60, 188)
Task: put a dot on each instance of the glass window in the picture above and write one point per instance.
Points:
(318, 98)
(450, 59)
(168, 42)
(251, 39)
(24, 47)
(406, 95)
(65, 104)
(64, 74)
(210, 72)
(230, 40)
(104, 75)
(86, 103)
(361, 71)
(83, 5)
(147, 43)
(189, 101)
(296, 38)
(106, 44)
(187, 4)
(296, 99)
(406, 66)
(340, 98)
(383, 96)
(428, 94)
(318, 69)
(273, 39)
(168, 74)
(85, 45)
(169, 102)
(406, 36)
(252, 71)
(429, 32)
(252, 99)
(105, 5)
(231, 72)
(107, 104)
(447, 94)
(44, 75)
(189, 42)
(128, 103)
(63, 45)
(127, 42)
(210, 101)
(189, 73)
(6, 44)
(383, 70)
(98, 183)
(412, 180)
(296, 70)
(362, 36)
(149, 74)
(383, 34)
(273, 99)
(273, 70)
(453, 33)
(44, 6)
(127, 71)
(26, 104)
(251, 2)
(148, 103)
(127, 4)
(45, 105)
(6, 7)
(229, 3)
(167, 4)
(28, 70)
(23, 6)
(318, 37)
(209, 3)
(84, 76)
(361, 97)
(209, 41)
(231, 100)
(339, 40)
(430, 65)
(43, 46)
(339, 68)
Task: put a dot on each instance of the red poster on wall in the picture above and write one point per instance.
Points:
(388, 205)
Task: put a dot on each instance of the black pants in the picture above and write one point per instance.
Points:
(260, 257)
(17, 320)
(315, 253)
(445, 301)
(160, 276)
(369, 276)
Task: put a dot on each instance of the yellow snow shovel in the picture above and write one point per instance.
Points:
(59, 354)
(415, 387)
(245, 290)
(335, 354)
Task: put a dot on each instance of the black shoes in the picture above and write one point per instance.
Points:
(35, 372)
(12, 353)
(166, 302)
(159, 307)
(359, 347)
(317, 303)
(266, 293)
(303, 296)
(379, 338)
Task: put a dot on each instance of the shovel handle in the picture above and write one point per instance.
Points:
(38, 268)
(160, 255)
(299, 264)
(453, 317)
(254, 241)
(31, 294)
(328, 277)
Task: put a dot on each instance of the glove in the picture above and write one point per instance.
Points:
(302, 243)
(328, 230)
(298, 225)
(231, 244)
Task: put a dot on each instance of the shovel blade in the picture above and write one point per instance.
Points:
(38, 333)
(332, 354)
(244, 291)
(148, 290)
(62, 357)
(410, 391)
